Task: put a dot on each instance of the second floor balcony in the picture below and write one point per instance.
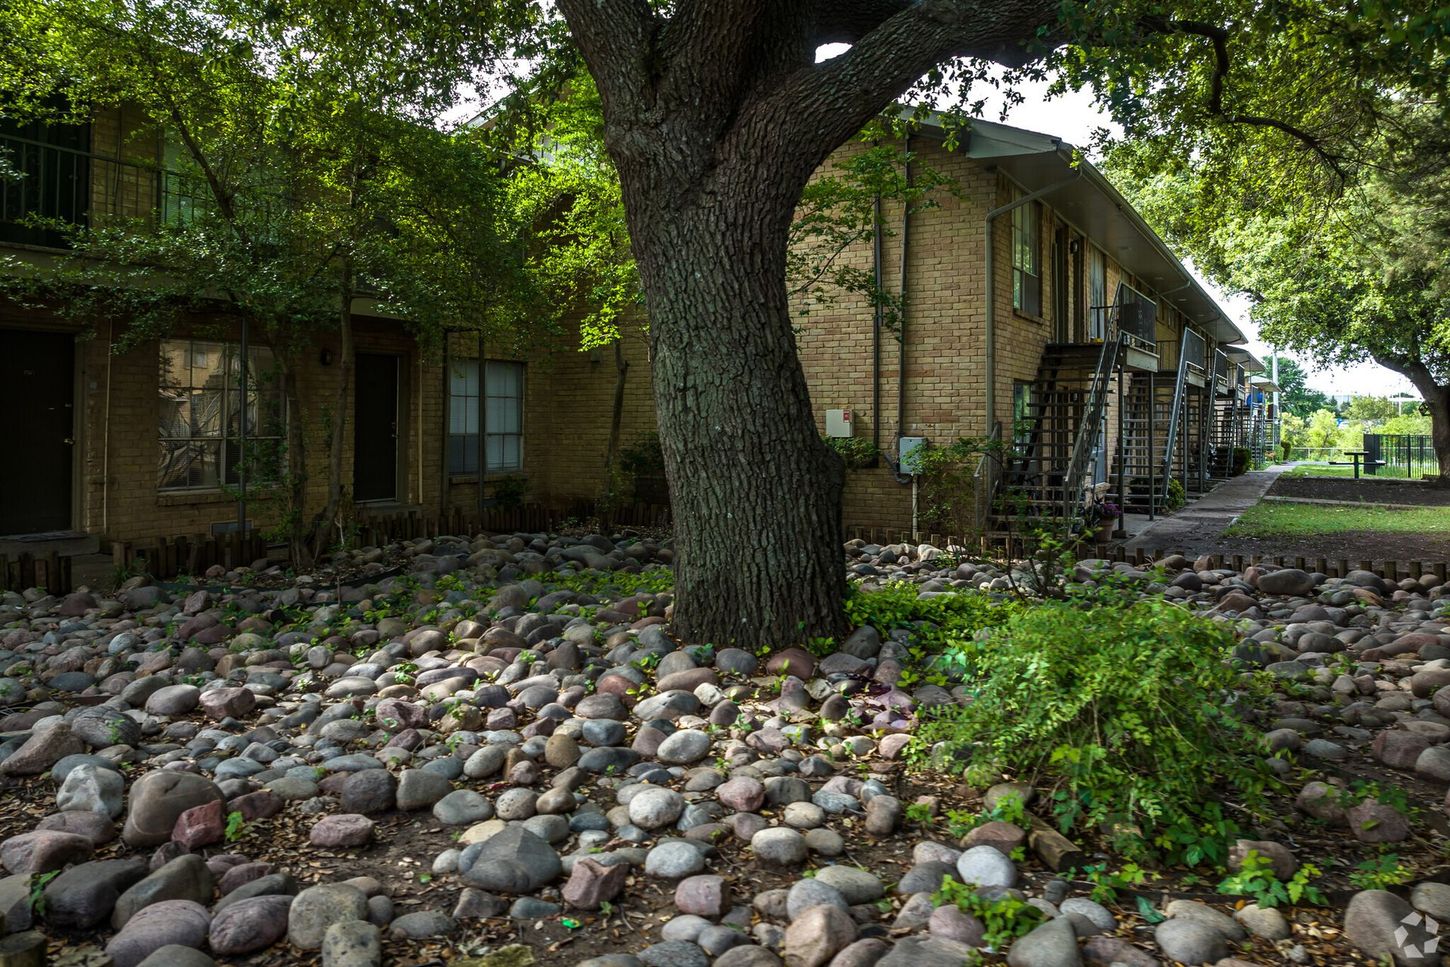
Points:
(50, 179)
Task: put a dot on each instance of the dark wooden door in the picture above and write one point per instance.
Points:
(375, 428)
(1061, 330)
(37, 421)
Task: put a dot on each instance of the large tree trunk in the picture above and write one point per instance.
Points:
(1439, 404)
(1437, 400)
(716, 114)
(755, 492)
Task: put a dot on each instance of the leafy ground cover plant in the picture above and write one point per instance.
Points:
(936, 621)
(1256, 879)
(1003, 918)
(1126, 713)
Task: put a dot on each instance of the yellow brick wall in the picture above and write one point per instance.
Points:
(569, 393)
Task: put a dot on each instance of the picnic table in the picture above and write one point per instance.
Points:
(1357, 456)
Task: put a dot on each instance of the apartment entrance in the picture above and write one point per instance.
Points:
(375, 428)
(37, 399)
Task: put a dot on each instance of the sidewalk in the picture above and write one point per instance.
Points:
(1197, 527)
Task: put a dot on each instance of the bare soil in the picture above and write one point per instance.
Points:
(1363, 490)
(1352, 546)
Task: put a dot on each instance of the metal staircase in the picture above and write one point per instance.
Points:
(1171, 440)
(1050, 467)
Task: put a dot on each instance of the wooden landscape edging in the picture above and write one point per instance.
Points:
(166, 558)
(50, 571)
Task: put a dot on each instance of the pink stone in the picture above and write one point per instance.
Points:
(221, 703)
(200, 825)
(743, 794)
(705, 895)
(262, 804)
(592, 883)
(343, 829)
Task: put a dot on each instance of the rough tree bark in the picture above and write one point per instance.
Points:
(715, 118)
(1437, 399)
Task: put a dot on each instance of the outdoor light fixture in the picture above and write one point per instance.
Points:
(325, 358)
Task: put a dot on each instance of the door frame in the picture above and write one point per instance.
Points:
(399, 424)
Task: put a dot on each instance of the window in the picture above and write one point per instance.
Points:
(503, 387)
(1027, 258)
(200, 418)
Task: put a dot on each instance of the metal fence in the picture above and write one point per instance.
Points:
(1410, 453)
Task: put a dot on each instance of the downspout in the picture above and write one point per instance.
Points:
(876, 321)
(482, 431)
(242, 434)
(990, 329)
(443, 430)
(418, 395)
(105, 444)
(901, 320)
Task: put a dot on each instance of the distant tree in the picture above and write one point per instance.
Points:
(1370, 410)
(1295, 396)
(1321, 435)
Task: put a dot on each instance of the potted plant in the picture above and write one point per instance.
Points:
(1100, 515)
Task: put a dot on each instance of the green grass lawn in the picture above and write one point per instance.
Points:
(1283, 519)
(1325, 470)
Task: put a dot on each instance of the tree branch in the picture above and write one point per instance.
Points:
(1218, 37)
(847, 21)
(703, 49)
(617, 41)
(827, 103)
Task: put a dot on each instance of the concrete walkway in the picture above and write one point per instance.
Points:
(1199, 525)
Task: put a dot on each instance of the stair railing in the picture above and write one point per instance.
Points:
(1090, 424)
(1208, 421)
(1175, 414)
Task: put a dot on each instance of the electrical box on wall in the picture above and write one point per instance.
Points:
(908, 453)
(838, 423)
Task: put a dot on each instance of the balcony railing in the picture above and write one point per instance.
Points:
(1128, 320)
(43, 184)
(1195, 350)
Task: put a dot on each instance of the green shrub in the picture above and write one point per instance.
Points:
(936, 620)
(858, 452)
(1256, 879)
(1123, 711)
(1176, 497)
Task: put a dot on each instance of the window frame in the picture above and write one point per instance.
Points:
(171, 390)
(463, 447)
(1027, 259)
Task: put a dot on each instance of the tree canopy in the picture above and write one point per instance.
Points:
(304, 169)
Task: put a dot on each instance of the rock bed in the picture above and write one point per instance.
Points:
(495, 758)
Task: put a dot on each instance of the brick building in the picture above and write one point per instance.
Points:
(142, 444)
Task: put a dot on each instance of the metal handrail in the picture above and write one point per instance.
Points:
(1180, 385)
(984, 479)
(1089, 426)
(1147, 341)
